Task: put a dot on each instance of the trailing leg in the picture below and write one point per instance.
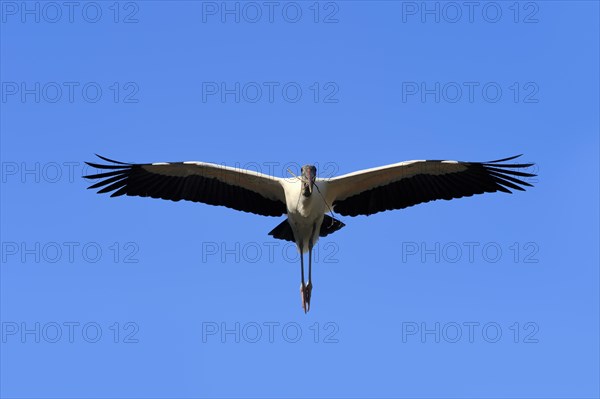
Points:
(302, 286)
(309, 285)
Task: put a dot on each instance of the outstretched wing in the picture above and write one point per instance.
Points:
(413, 182)
(212, 184)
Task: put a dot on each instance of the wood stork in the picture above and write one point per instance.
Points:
(306, 198)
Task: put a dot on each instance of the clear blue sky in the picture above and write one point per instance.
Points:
(490, 296)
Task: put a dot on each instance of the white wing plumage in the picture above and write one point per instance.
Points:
(409, 183)
(213, 184)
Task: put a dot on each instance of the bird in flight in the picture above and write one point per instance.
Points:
(306, 199)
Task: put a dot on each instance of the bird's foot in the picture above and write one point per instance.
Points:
(308, 291)
(303, 295)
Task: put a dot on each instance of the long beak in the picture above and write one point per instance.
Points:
(311, 183)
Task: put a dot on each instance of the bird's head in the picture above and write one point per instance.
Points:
(309, 174)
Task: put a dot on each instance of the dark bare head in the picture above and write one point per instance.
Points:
(309, 174)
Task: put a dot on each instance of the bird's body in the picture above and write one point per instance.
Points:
(306, 199)
(304, 214)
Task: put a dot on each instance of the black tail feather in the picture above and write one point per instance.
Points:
(283, 231)
(330, 226)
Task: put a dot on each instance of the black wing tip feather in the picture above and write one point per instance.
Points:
(118, 164)
(496, 164)
(117, 167)
(111, 160)
(505, 159)
(121, 178)
(113, 180)
(506, 176)
(478, 178)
